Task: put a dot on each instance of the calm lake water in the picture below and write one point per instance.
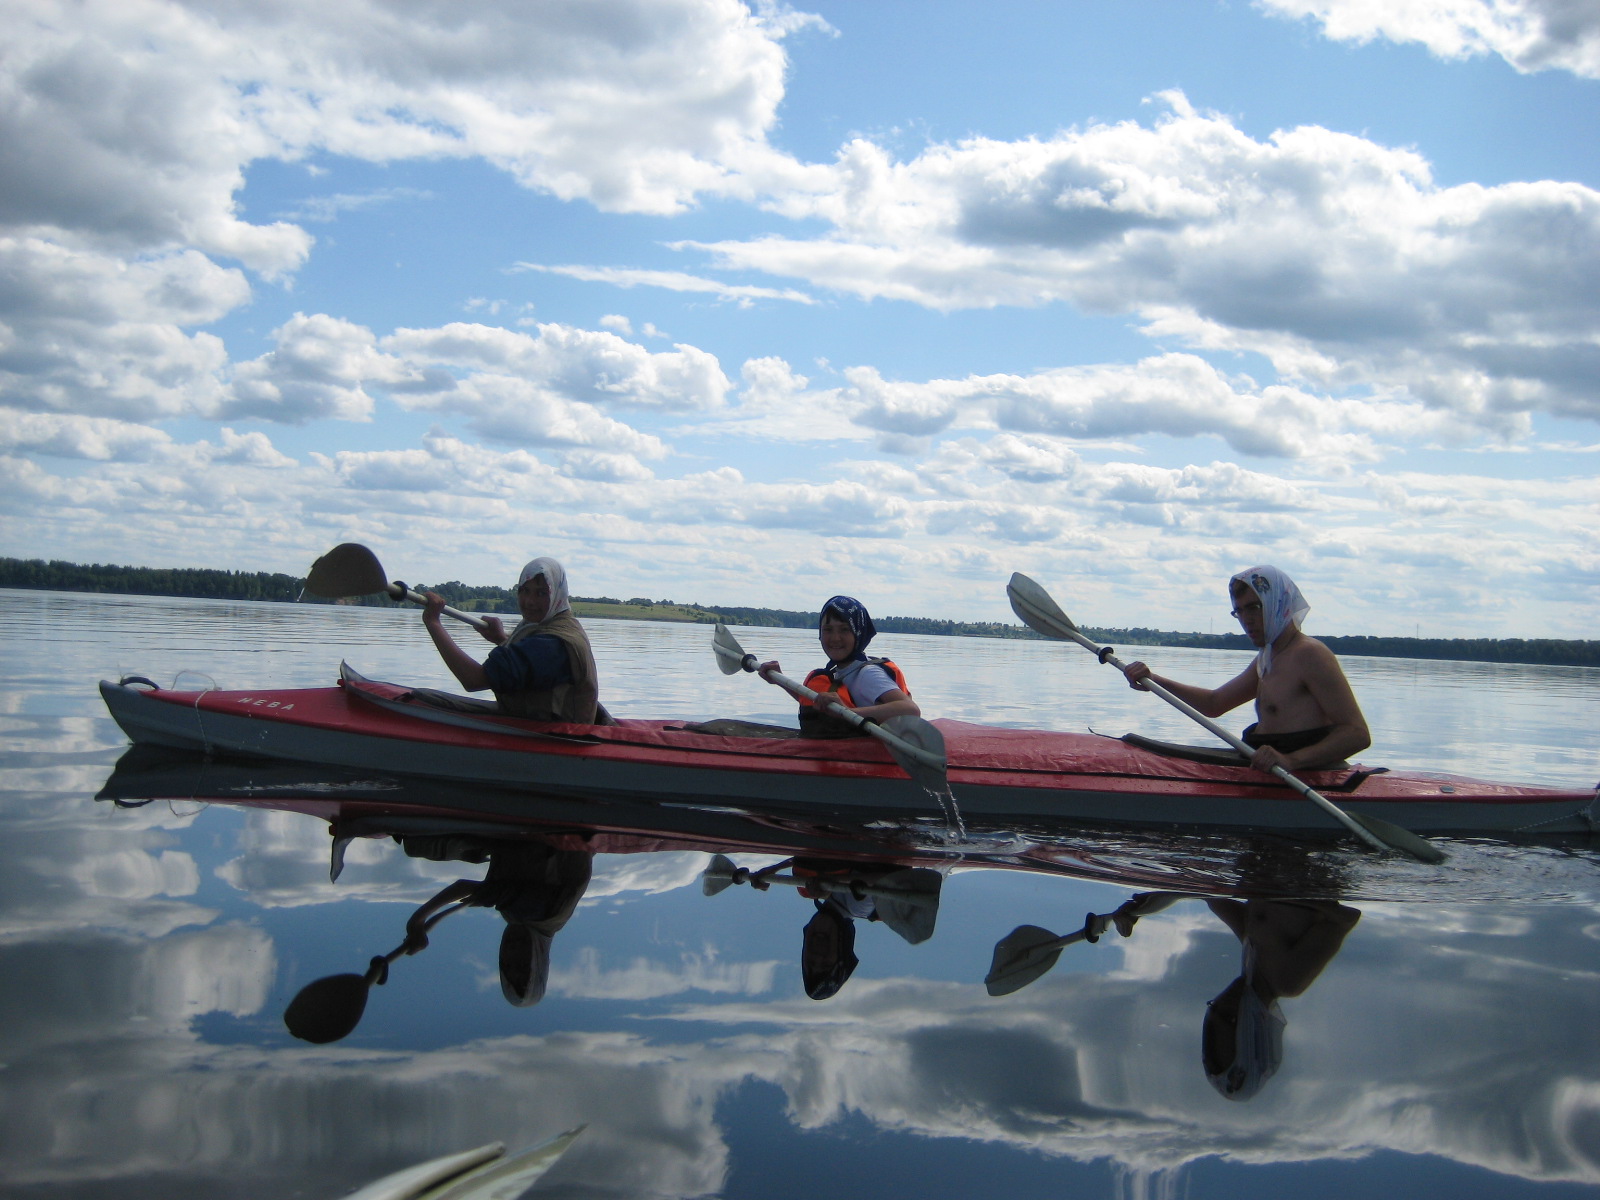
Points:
(1449, 1046)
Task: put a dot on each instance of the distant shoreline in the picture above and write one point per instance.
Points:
(213, 584)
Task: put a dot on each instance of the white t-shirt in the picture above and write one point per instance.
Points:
(866, 681)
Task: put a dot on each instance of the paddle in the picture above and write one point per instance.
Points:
(1043, 615)
(1028, 951)
(483, 1173)
(912, 742)
(327, 1009)
(351, 569)
(908, 899)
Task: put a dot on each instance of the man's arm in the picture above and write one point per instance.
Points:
(1211, 702)
(467, 670)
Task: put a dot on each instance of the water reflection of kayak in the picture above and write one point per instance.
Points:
(367, 725)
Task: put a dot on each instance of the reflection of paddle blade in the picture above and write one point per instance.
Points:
(1023, 955)
(327, 1009)
(908, 902)
(346, 570)
(730, 655)
(718, 876)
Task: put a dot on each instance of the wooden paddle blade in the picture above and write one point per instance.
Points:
(1037, 610)
(908, 902)
(1020, 957)
(1396, 838)
(346, 570)
(731, 656)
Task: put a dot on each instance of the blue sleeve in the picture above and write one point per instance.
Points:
(534, 664)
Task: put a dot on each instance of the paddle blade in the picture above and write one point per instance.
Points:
(718, 876)
(730, 655)
(1399, 839)
(908, 902)
(919, 749)
(327, 1009)
(346, 570)
(1037, 610)
(418, 1180)
(509, 1177)
(1020, 957)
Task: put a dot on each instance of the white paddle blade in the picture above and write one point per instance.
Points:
(1037, 610)
(923, 735)
(346, 570)
(423, 1177)
(509, 1177)
(718, 876)
(730, 655)
(918, 748)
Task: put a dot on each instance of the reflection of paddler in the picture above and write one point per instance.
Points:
(1285, 945)
(840, 892)
(535, 887)
(905, 899)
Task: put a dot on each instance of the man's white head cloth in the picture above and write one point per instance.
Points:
(1282, 605)
(555, 576)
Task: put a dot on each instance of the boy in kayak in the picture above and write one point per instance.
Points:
(544, 669)
(872, 687)
(1306, 715)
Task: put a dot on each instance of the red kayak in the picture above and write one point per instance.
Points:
(994, 772)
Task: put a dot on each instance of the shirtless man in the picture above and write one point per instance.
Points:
(1306, 715)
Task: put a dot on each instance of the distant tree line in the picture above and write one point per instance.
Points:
(148, 581)
(261, 585)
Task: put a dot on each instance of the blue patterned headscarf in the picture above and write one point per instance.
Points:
(1282, 605)
(855, 615)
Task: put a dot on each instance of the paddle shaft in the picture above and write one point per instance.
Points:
(801, 692)
(1103, 653)
(400, 591)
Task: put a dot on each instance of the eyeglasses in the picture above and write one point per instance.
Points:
(1251, 609)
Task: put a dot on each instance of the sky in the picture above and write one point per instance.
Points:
(750, 305)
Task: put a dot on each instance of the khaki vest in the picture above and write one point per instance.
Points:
(574, 702)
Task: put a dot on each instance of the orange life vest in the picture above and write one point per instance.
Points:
(822, 680)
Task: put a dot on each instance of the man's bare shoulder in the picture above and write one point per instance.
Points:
(1310, 659)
